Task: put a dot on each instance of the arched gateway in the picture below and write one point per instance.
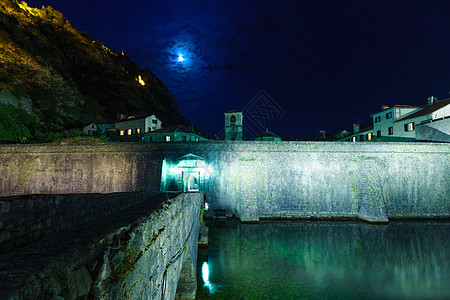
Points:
(188, 173)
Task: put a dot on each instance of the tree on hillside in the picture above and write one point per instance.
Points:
(14, 123)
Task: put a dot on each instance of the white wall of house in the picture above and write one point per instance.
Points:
(152, 123)
(441, 113)
(124, 127)
(387, 119)
(138, 126)
(399, 127)
(401, 112)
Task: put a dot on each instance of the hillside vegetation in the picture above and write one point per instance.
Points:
(61, 79)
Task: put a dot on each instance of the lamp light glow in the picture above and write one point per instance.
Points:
(205, 276)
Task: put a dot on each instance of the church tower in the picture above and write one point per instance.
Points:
(233, 125)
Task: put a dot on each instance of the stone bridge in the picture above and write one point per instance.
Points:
(136, 245)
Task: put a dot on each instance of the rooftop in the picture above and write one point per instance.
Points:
(267, 133)
(428, 109)
(397, 105)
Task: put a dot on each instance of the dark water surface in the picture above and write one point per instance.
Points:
(325, 260)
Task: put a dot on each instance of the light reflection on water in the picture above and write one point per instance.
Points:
(313, 259)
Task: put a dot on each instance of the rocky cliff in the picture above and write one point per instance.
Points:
(61, 74)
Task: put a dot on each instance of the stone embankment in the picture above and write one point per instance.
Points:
(142, 252)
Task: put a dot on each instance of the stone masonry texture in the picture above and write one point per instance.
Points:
(252, 180)
(140, 252)
(28, 218)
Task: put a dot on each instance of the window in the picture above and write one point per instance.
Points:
(138, 130)
(389, 115)
(409, 126)
(150, 138)
(391, 130)
(129, 131)
(361, 138)
(354, 139)
(167, 138)
(154, 121)
(183, 138)
(233, 119)
(369, 136)
(377, 119)
(196, 139)
(122, 132)
(378, 133)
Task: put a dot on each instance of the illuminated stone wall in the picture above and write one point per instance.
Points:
(372, 181)
(64, 169)
(369, 181)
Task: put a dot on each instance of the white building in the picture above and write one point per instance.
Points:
(386, 125)
(129, 127)
(398, 123)
(134, 124)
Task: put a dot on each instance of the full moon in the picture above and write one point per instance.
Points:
(180, 57)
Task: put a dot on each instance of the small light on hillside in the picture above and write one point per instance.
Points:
(142, 82)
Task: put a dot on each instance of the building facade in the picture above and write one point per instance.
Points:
(363, 135)
(138, 126)
(398, 123)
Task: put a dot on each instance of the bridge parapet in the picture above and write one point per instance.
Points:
(143, 252)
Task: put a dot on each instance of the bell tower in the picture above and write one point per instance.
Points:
(233, 125)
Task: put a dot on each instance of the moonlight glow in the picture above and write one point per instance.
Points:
(181, 56)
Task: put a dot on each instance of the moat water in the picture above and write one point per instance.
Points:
(325, 260)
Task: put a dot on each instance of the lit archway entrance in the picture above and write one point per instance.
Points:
(192, 182)
(188, 173)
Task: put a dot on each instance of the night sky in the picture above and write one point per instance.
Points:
(321, 65)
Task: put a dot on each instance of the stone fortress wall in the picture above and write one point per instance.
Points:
(370, 181)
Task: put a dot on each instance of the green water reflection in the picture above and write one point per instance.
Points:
(326, 260)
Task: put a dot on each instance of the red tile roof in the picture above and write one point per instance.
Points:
(428, 109)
